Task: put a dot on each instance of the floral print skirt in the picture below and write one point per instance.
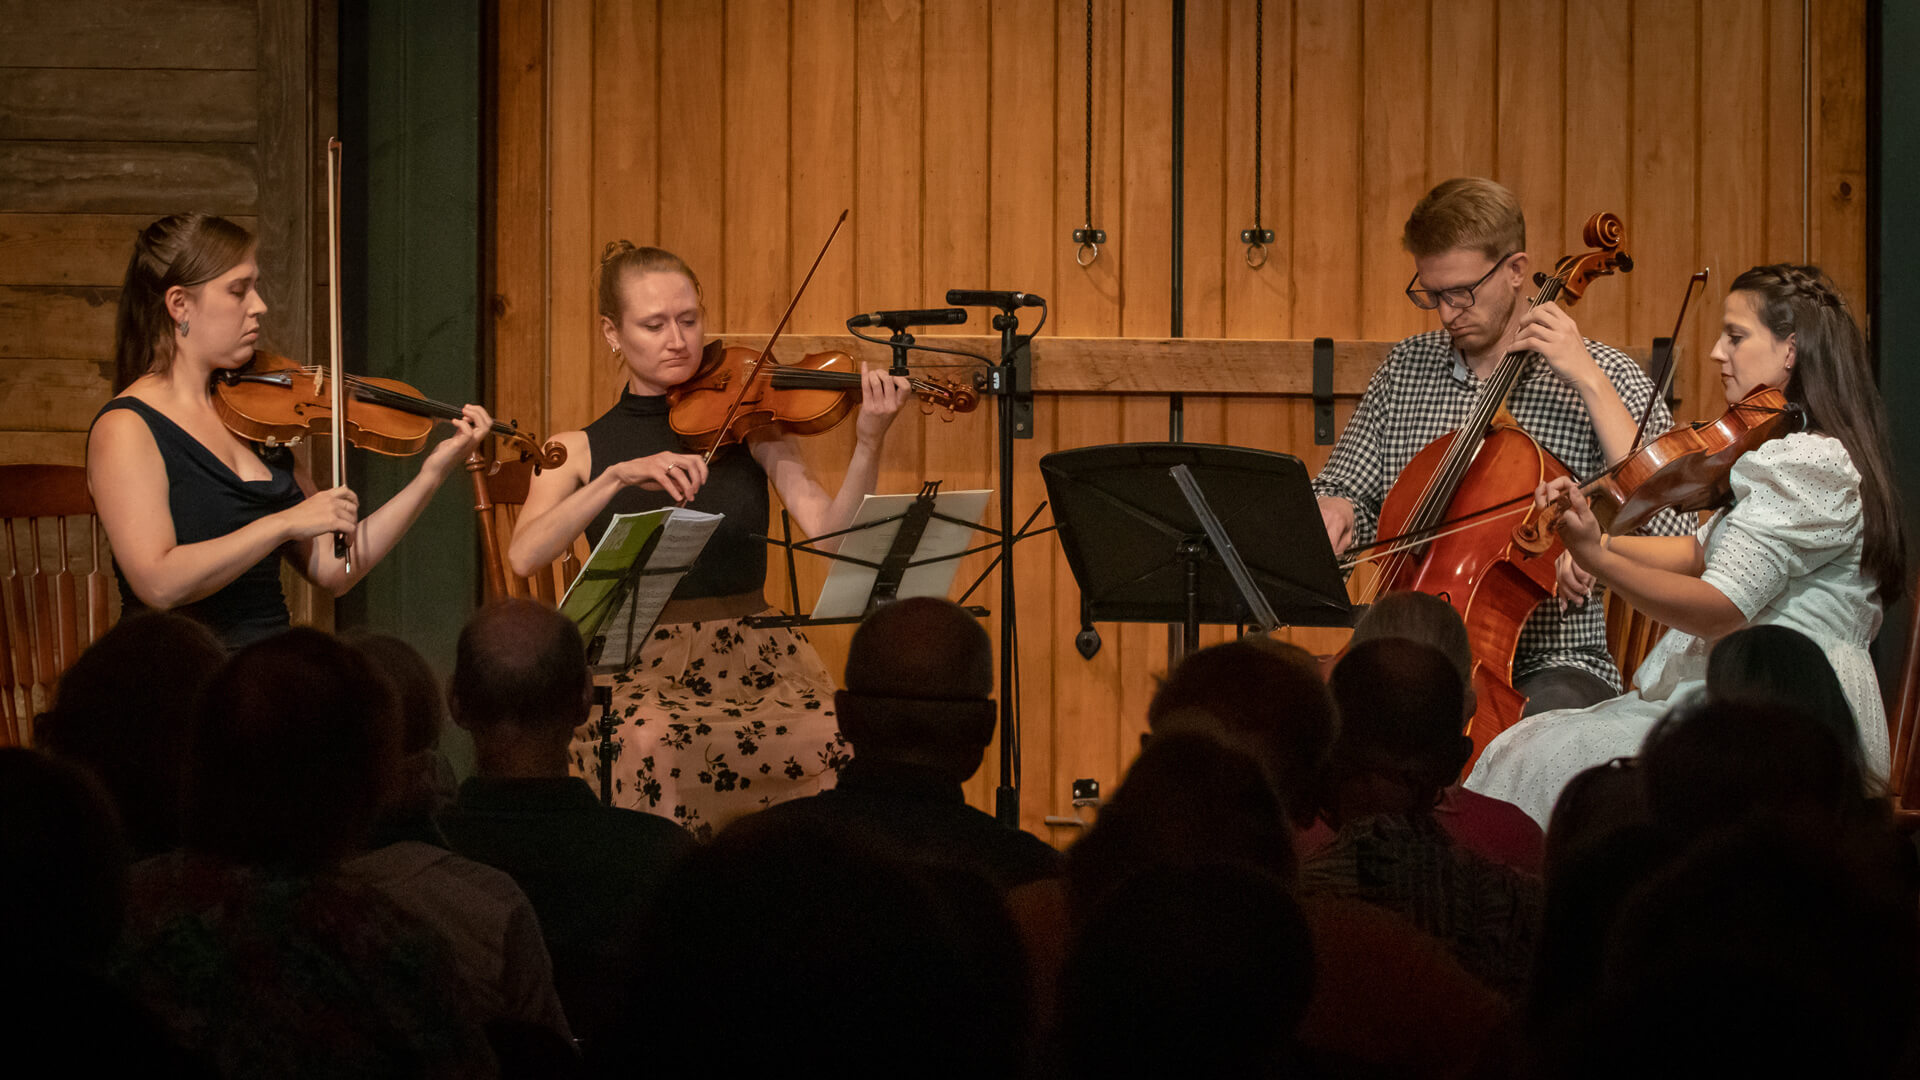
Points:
(716, 720)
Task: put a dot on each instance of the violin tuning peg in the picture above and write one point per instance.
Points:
(1539, 278)
(1625, 262)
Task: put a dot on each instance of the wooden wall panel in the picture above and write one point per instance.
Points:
(115, 113)
(1598, 143)
(115, 34)
(733, 133)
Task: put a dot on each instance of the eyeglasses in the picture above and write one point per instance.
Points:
(1460, 296)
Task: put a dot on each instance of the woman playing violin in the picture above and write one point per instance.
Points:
(199, 518)
(1813, 541)
(721, 717)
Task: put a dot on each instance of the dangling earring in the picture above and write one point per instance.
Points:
(183, 328)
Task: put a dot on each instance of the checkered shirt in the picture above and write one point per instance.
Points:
(1424, 391)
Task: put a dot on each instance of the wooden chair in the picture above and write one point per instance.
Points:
(1630, 636)
(47, 613)
(499, 491)
(1903, 727)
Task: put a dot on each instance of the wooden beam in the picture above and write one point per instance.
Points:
(127, 177)
(162, 105)
(289, 152)
(53, 395)
(1068, 365)
(71, 249)
(43, 448)
(118, 34)
(57, 323)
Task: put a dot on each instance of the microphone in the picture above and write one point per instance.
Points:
(895, 320)
(999, 298)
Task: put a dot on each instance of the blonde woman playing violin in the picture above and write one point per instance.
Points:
(719, 718)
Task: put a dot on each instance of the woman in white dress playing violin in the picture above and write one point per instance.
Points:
(1812, 541)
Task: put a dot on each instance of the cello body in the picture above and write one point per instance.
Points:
(1493, 583)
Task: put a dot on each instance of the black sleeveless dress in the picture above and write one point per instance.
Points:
(209, 500)
(733, 562)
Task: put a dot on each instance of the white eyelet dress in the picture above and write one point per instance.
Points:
(1787, 553)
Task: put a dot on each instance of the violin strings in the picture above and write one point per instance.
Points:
(1483, 517)
(1429, 508)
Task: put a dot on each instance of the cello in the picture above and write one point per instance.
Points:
(1444, 535)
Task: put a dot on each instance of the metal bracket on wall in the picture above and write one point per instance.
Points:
(1323, 391)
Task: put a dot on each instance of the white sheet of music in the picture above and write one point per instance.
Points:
(844, 596)
(614, 638)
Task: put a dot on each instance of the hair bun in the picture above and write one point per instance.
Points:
(615, 249)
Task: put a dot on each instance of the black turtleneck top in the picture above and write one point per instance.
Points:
(733, 562)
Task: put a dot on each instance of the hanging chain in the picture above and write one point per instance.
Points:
(1088, 237)
(1257, 238)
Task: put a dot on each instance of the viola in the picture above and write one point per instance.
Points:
(1688, 469)
(276, 401)
(1443, 537)
(726, 401)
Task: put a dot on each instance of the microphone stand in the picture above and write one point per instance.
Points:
(901, 342)
(1012, 380)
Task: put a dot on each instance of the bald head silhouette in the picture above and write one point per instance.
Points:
(520, 684)
(919, 687)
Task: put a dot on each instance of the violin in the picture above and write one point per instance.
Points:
(724, 403)
(275, 401)
(1688, 469)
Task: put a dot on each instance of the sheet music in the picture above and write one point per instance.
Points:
(629, 577)
(844, 596)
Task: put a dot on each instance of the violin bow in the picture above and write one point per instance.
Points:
(760, 361)
(1663, 378)
(342, 547)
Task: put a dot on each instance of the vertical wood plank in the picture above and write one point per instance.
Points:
(821, 153)
(1146, 210)
(1839, 187)
(1665, 97)
(958, 453)
(1732, 185)
(1464, 38)
(1529, 155)
(519, 244)
(288, 148)
(1259, 302)
(692, 166)
(1785, 134)
(574, 344)
(1599, 144)
(756, 135)
(1394, 151)
(1329, 55)
(1022, 239)
(626, 138)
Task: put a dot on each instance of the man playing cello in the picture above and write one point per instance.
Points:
(1579, 399)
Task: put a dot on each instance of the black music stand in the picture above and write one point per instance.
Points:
(1140, 550)
(893, 566)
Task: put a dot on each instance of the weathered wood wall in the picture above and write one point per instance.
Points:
(114, 113)
(734, 132)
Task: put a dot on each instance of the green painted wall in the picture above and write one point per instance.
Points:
(410, 101)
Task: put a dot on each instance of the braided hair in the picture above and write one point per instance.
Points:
(180, 249)
(1835, 389)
